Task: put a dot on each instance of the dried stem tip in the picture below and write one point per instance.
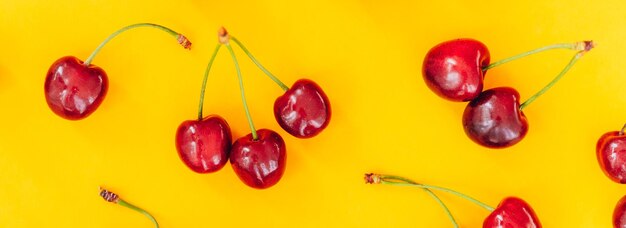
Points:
(182, 40)
(109, 196)
(372, 178)
(222, 36)
(585, 46)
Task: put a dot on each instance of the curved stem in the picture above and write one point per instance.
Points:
(137, 209)
(434, 196)
(554, 81)
(243, 94)
(258, 64)
(573, 46)
(385, 180)
(206, 76)
(181, 39)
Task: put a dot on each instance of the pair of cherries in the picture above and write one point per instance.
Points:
(258, 159)
(493, 118)
(512, 212)
(611, 154)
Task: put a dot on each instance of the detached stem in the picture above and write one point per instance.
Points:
(258, 64)
(181, 39)
(406, 182)
(114, 198)
(133, 207)
(433, 195)
(554, 81)
(204, 81)
(243, 94)
(572, 46)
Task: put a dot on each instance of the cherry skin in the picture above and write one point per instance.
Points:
(619, 214)
(304, 110)
(259, 163)
(204, 145)
(74, 91)
(494, 118)
(454, 69)
(512, 212)
(611, 154)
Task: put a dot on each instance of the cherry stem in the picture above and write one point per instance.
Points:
(204, 81)
(114, 198)
(589, 45)
(179, 37)
(258, 64)
(573, 46)
(388, 179)
(621, 132)
(432, 194)
(137, 209)
(243, 95)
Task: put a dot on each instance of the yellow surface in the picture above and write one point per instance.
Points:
(366, 55)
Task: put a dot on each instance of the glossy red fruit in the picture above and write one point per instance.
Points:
(204, 146)
(512, 212)
(304, 110)
(259, 163)
(619, 214)
(454, 69)
(494, 119)
(74, 91)
(611, 154)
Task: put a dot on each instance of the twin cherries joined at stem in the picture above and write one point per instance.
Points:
(512, 212)
(258, 158)
(455, 70)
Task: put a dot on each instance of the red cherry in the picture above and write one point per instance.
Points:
(304, 110)
(619, 214)
(494, 118)
(512, 212)
(204, 145)
(611, 154)
(454, 69)
(259, 163)
(73, 90)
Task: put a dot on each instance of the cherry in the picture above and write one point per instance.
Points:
(74, 89)
(204, 144)
(512, 212)
(619, 214)
(260, 162)
(259, 157)
(611, 154)
(303, 110)
(114, 198)
(495, 119)
(454, 69)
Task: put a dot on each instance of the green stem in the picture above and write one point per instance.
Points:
(206, 76)
(258, 64)
(554, 81)
(95, 52)
(243, 94)
(385, 180)
(433, 195)
(137, 209)
(572, 46)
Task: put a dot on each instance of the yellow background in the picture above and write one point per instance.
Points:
(366, 55)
